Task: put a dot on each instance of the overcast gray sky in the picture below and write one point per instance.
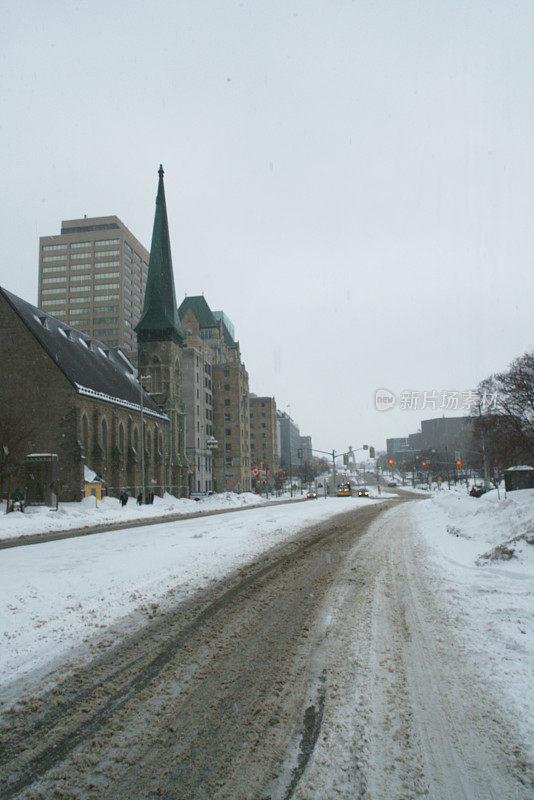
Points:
(352, 182)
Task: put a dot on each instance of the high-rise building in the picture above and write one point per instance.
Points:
(93, 276)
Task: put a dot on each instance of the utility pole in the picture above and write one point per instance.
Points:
(333, 471)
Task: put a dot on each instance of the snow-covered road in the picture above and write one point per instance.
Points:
(377, 656)
(409, 711)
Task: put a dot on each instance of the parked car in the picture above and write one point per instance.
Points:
(392, 484)
(478, 491)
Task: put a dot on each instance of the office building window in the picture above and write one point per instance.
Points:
(47, 270)
(80, 245)
(106, 264)
(49, 247)
(54, 280)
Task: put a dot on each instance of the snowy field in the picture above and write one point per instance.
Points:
(482, 551)
(39, 519)
(58, 595)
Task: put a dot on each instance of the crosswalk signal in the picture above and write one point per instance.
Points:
(390, 462)
(458, 464)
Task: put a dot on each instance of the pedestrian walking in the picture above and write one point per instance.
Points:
(139, 498)
(123, 497)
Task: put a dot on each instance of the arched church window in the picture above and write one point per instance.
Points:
(104, 438)
(155, 371)
(85, 432)
(121, 438)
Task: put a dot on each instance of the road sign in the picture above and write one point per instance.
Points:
(255, 471)
(229, 475)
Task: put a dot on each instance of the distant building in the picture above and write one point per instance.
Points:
(450, 436)
(93, 276)
(83, 400)
(306, 447)
(397, 445)
(263, 435)
(230, 393)
(415, 441)
(289, 441)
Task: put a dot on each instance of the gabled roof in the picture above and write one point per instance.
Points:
(160, 319)
(197, 304)
(92, 367)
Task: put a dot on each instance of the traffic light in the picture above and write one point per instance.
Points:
(424, 464)
(390, 462)
(458, 464)
(371, 452)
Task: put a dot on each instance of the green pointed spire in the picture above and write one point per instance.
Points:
(160, 320)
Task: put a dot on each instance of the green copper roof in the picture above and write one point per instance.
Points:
(160, 316)
(197, 304)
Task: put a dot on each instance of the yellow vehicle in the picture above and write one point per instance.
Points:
(343, 490)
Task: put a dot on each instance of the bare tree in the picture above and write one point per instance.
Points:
(506, 413)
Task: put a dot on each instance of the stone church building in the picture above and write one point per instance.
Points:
(84, 398)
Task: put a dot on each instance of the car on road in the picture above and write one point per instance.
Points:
(363, 492)
(343, 490)
(392, 484)
(311, 495)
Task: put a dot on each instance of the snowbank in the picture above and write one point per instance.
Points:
(483, 550)
(39, 519)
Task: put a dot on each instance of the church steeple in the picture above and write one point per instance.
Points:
(159, 320)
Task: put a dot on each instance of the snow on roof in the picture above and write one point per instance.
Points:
(90, 476)
(523, 467)
(89, 364)
(107, 398)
